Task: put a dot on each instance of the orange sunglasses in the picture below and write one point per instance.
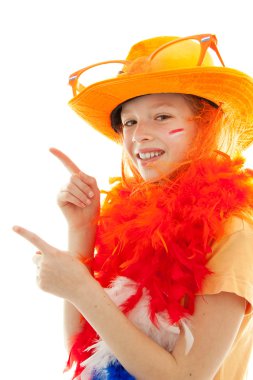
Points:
(206, 41)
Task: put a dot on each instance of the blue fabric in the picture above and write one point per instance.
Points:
(114, 371)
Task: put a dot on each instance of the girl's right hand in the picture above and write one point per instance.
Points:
(79, 200)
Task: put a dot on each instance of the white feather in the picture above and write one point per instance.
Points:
(189, 339)
(163, 332)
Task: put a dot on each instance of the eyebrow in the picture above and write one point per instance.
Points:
(162, 105)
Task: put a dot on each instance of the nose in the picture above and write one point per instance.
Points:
(142, 132)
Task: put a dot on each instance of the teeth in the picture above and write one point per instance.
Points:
(146, 156)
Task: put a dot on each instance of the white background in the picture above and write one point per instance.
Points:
(41, 43)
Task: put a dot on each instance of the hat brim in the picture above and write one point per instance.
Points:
(230, 87)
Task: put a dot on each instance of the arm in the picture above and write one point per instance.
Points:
(80, 211)
(215, 323)
(79, 241)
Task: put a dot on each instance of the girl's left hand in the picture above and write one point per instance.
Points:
(59, 273)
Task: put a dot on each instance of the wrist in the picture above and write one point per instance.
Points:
(85, 233)
(80, 295)
(82, 228)
(81, 241)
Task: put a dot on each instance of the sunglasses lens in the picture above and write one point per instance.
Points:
(98, 73)
(181, 54)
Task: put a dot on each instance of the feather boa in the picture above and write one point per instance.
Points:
(114, 371)
(159, 235)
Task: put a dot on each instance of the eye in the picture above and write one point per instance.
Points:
(163, 117)
(129, 123)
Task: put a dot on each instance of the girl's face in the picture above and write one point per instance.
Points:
(158, 130)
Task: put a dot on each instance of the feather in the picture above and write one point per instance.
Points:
(161, 237)
(164, 333)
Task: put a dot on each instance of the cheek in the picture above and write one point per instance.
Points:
(175, 131)
(179, 140)
(127, 145)
(174, 138)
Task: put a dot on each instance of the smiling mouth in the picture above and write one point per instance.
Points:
(148, 156)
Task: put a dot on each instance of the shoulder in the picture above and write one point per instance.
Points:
(231, 261)
(235, 230)
(238, 224)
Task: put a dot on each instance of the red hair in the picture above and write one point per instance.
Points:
(216, 135)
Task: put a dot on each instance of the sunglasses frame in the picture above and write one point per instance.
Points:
(206, 41)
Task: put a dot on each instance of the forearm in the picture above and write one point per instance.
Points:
(72, 323)
(81, 243)
(141, 356)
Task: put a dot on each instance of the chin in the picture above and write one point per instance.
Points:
(151, 174)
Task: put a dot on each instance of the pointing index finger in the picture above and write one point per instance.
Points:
(34, 239)
(67, 162)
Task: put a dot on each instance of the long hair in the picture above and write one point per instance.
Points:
(217, 135)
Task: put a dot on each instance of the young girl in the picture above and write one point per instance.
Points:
(158, 283)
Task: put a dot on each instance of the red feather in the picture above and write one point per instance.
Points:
(160, 235)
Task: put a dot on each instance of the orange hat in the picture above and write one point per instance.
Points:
(167, 65)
